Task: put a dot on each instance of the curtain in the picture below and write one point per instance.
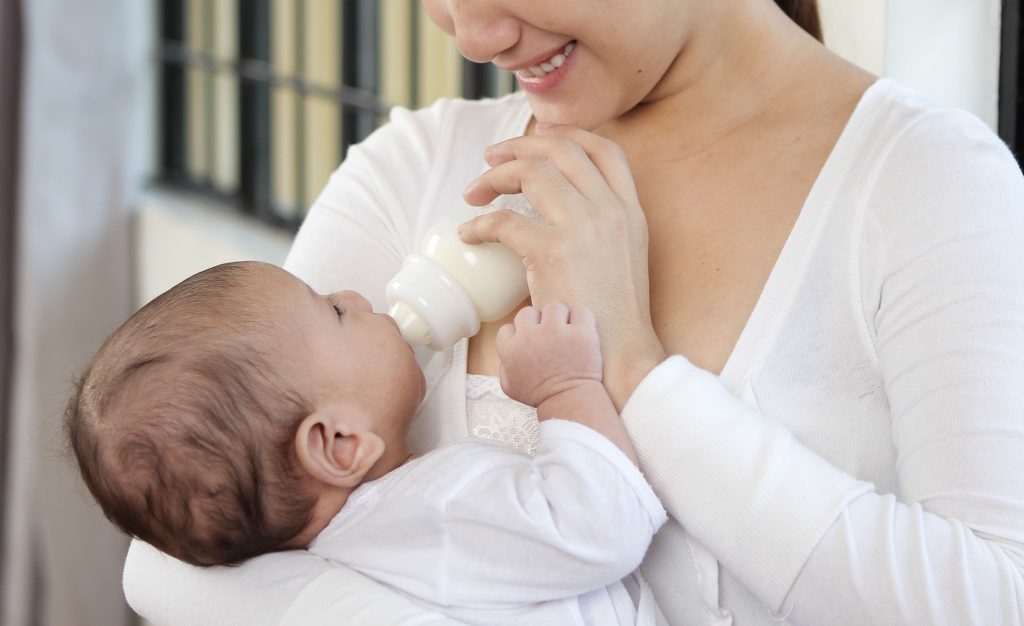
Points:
(85, 92)
(10, 82)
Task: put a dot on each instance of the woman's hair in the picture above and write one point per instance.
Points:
(805, 14)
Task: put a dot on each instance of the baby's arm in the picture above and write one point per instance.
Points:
(551, 360)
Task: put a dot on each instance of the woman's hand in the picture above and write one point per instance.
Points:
(591, 248)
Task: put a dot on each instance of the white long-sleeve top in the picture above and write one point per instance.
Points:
(860, 459)
(486, 534)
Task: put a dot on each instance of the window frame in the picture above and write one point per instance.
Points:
(1011, 79)
(358, 95)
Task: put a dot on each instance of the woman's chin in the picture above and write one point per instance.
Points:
(548, 113)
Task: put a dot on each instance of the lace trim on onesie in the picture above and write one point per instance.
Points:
(490, 414)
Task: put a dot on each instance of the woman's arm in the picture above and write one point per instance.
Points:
(280, 589)
(950, 330)
(814, 543)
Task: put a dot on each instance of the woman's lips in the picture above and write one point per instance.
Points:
(549, 73)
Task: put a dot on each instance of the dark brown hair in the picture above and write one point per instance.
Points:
(183, 433)
(805, 14)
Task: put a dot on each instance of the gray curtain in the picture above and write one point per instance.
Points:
(85, 92)
(10, 83)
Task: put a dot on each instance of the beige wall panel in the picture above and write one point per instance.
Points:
(226, 140)
(322, 119)
(225, 93)
(284, 144)
(195, 104)
(284, 108)
(438, 63)
(396, 47)
(322, 146)
(282, 36)
(197, 128)
(856, 30)
(322, 42)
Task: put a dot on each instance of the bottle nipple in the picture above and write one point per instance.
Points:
(414, 330)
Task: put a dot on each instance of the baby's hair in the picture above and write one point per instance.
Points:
(184, 433)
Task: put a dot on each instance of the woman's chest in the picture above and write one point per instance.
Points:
(709, 257)
(718, 220)
(712, 247)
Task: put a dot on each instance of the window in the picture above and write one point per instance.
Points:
(1011, 80)
(260, 99)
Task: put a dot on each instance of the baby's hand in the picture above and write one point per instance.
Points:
(547, 352)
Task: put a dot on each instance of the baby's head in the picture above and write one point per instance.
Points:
(232, 415)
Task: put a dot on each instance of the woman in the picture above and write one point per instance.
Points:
(833, 263)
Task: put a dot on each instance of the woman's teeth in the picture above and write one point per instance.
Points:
(555, 62)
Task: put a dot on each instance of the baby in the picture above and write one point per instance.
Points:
(241, 413)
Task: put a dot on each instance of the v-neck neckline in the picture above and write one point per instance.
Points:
(772, 303)
(778, 291)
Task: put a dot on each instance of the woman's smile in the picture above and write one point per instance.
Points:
(546, 74)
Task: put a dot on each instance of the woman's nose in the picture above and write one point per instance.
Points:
(482, 28)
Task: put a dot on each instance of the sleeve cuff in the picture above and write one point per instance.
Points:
(737, 481)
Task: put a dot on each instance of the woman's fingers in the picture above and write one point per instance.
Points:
(566, 156)
(577, 153)
(524, 235)
(604, 153)
(546, 187)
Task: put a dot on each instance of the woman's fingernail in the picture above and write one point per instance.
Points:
(544, 125)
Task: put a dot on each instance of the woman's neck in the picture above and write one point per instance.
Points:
(743, 57)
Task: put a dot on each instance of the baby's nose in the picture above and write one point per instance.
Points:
(354, 299)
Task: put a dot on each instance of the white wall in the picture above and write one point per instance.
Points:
(180, 234)
(948, 50)
(856, 30)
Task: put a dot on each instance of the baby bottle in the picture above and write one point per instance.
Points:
(443, 293)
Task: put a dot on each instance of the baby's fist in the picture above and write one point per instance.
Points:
(546, 352)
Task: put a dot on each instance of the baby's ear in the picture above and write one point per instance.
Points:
(333, 452)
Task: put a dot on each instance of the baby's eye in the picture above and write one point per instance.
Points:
(337, 309)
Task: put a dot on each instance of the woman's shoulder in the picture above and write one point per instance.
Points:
(486, 119)
(448, 129)
(935, 173)
(906, 127)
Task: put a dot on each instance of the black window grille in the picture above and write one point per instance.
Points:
(1011, 79)
(230, 92)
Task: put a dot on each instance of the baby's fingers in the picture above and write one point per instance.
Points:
(555, 313)
(581, 315)
(526, 318)
(506, 332)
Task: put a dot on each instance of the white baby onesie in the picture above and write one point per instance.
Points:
(490, 535)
